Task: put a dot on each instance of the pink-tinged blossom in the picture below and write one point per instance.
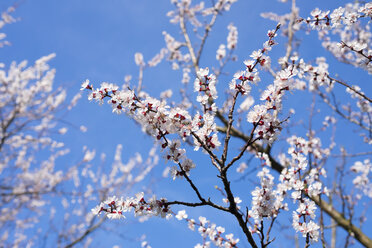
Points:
(268, 199)
(310, 228)
(181, 215)
(257, 113)
(206, 86)
(85, 85)
(265, 160)
(204, 127)
(221, 52)
(159, 120)
(114, 208)
(366, 9)
(336, 17)
(256, 54)
(262, 202)
(241, 81)
(191, 224)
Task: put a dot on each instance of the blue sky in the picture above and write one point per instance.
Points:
(98, 39)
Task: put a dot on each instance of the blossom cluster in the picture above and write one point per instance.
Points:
(160, 120)
(209, 230)
(177, 155)
(32, 178)
(268, 200)
(266, 124)
(354, 46)
(206, 86)
(301, 222)
(114, 208)
(300, 172)
(319, 77)
(340, 16)
(303, 184)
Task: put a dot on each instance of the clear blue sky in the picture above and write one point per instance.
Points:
(98, 39)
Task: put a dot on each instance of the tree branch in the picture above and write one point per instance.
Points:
(326, 207)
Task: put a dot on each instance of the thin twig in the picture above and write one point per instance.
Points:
(229, 125)
(350, 87)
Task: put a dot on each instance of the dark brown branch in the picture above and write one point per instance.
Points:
(249, 142)
(203, 201)
(350, 87)
(206, 148)
(198, 204)
(326, 207)
(234, 210)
